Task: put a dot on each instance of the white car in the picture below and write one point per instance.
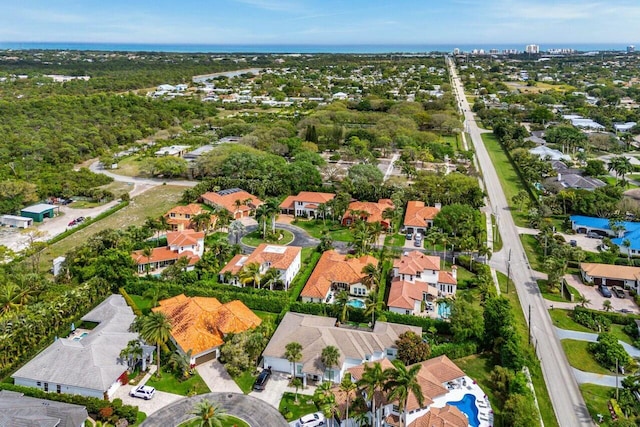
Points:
(312, 420)
(143, 392)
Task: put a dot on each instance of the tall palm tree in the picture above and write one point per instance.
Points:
(584, 301)
(236, 229)
(250, 274)
(372, 276)
(273, 209)
(202, 222)
(342, 302)
(348, 387)
(147, 252)
(156, 328)
(262, 216)
(132, 353)
(372, 381)
(163, 225)
(330, 410)
(209, 414)
(270, 277)
(401, 382)
(330, 357)
(293, 353)
(371, 305)
(224, 218)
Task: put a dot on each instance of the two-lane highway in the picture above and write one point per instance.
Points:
(567, 401)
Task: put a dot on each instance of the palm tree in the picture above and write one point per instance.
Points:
(330, 409)
(293, 353)
(147, 252)
(156, 328)
(202, 221)
(584, 301)
(330, 357)
(626, 243)
(606, 305)
(262, 216)
(371, 305)
(163, 225)
(270, 277)
(209, 414)
(322, 211)
(236, 229)
(347, 386)
(224, 218)
(273, 209)
(372, 381)
(401, 382)
(250, 274)
(296, 383)
(132, 353)
(342, 302)
(372, 276)
(180, 363)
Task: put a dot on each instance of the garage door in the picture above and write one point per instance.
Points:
(597, 281)
(611, 282)
(206, 357)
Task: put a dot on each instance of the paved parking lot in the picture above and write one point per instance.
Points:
(592, 294)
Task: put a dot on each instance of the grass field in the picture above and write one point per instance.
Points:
(396, 240)
(562, 319)
(245, 380)
(152, 203)
(169, 383)
(580, 358)
(316, 228)
(293, 410)
(509, 179)
(530, 244)
(229, 421)
(596, 397)
(544, 401)
(254, 238)
(478, 367)
(129, 166)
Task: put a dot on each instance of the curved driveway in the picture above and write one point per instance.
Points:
(300, 237)
(254, 411)
(97, 168)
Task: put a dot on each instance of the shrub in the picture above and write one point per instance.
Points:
(454, 350)
(591, 320)
(130, 303)
(106, 412)
(301, 278)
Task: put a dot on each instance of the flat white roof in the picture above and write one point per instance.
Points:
(16, 218)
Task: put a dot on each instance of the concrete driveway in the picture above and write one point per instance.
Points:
(272, 393)
(596, 298)
(159, 401)
(217, 378)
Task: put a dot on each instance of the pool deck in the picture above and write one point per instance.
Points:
(457, 392)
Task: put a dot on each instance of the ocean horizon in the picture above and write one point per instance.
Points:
(301, 48)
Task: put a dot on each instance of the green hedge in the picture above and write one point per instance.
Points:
(301, 278)
(454, 350)
(93, 404)
(424, 322)
(617, 318)
(130, 302)
(87, 223)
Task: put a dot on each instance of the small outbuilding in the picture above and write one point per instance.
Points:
(39, 212)
(16, 221)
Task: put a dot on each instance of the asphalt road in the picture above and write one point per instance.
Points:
(563, 388)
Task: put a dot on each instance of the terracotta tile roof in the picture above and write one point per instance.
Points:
(447, 416)
(280, 257)
(184, 238)
(190, 209)
(417, 214)
(335, 267)
(416, 261)
(228, 200)
(404, 294)
(200, 324)
(616, 272)
(357, 371)
(308, 197)
(163, 254)
(447, 278)
(373, 209)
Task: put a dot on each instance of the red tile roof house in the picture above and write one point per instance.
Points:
(180, 218)
(180, 244)
(418, 218)
(417, 282)
(285, 259)
(368, 211)
(334, 273)
(238, 202)
(305, 204)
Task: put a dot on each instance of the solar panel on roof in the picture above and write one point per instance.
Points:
(228, 191)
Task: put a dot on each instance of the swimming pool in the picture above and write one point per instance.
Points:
(468, 407)
(444, 310)
(79, 337)
(356, 303)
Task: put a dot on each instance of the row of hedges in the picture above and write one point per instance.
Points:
(130, 302)
(617, 318)
(592, 320)
(301, 278)
(94, 405)
(425, 323)
(454, 350)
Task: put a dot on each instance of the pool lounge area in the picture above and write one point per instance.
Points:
(356, 303)
(469, 398)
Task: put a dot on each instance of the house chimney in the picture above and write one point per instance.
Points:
(454, 272)
(438, 205)
(559, 177)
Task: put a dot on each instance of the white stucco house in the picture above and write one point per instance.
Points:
(88, 361)
(285, 259)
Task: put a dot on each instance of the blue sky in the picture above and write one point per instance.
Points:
(321, 21)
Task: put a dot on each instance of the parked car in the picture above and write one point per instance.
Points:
(80, 219)
(72, 223)
(312, 420)
(593, 235)
(417, 243)
(573, 243)
(604, 290)
(618, 292)
(409, 236)
(143, 392)
(262, 379)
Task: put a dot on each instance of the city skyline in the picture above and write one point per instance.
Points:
(263, 22)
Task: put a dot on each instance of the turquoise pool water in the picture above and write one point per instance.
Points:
(79, 337)
(444, 310)
(356, 303)
(468, 407)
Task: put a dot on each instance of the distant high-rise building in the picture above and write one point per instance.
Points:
(631, 48)
(532, 48)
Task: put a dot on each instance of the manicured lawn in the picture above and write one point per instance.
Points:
(144, 304)
(139, 419)
(151, 203)
(315, 229)
(129, 166)
(266, 316)
(230, 421)
(292, 410)
(478, 367)
(546, 294)
(497, 238)
(580, 358)
(342, 235)
(245, 381)
(169, 383)
(255, 238)
(530, 245)
(544, 401)
(509, 179)
(597, 397)
(396, 240)
(562, 319)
